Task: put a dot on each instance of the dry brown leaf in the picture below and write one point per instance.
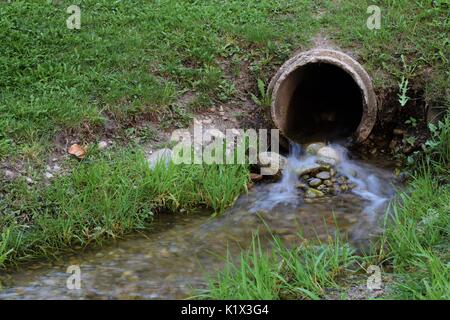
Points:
(77, 151)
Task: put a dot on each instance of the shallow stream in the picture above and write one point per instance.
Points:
(171, 260)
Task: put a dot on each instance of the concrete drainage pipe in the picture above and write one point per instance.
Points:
(323, 95)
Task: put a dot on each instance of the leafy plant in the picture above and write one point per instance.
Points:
(404, 82)
(412, 121)
(264, 99)
(411, 140)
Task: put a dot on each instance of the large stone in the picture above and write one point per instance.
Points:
(310, 169)
(314, 147)
(326, 161)
(271, 163)
(313, 193)
(315, 182)
(329, 152)
(324, 175)
(161, 155)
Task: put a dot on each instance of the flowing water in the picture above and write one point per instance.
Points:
(173, 258)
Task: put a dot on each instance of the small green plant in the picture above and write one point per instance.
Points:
(412, 121)
(411, 140)
(264, 100)
(404, 82)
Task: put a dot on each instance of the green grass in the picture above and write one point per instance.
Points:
(105, 197)
(418, 238)
(303, 272)
(129, 57)
(139, 57)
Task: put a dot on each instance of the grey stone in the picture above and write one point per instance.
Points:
(326, 161)
(314, 147)
(310, 169)
(324, 175)
(102, 145)
(315, 182)
(329, 152)
(313, 193)
(9, 175)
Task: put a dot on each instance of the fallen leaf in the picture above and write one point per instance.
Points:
(77, 151)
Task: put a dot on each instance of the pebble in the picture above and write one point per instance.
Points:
(328, 152)
(102, 145)
(313, 193)
(9, 175)
(326, 161)
(315, 182)
(48, 175)
(324, 175)
(302, 186)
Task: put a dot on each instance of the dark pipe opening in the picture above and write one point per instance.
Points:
(326, 104)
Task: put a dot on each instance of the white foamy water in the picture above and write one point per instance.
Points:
(372, 184)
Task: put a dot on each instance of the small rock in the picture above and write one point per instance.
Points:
(344, 187)
(324, 175)
(399, 132)
(29, 180)
(310, 169)
(302, 186)
(315, 182)
(48, 175)
(328, 152)
(102, 145)
(9, 175)
(314, 147)
(328, 183)
(255, 177)
(341, 179)
(326, 161)
(313, 193)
